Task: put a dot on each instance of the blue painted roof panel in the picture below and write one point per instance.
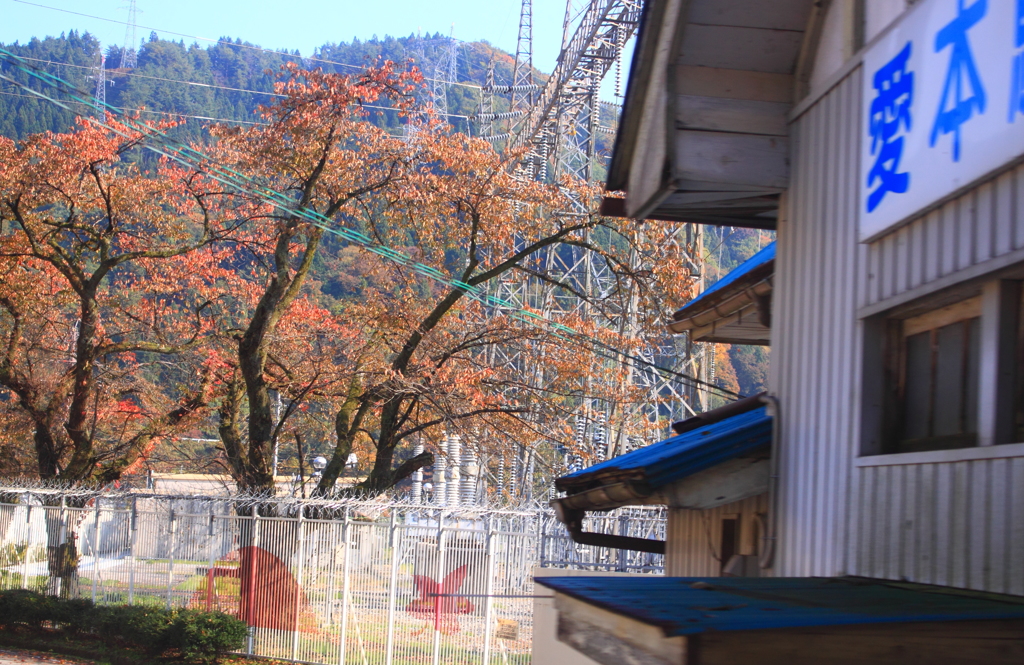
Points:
(766, 254)
(685, 454)
(690, 605)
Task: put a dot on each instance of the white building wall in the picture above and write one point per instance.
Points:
(815, 340)
(953, 517)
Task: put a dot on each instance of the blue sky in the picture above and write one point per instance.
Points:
(291, 24)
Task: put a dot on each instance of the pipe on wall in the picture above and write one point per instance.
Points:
(767, 556)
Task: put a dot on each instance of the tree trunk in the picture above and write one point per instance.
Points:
(62, 554)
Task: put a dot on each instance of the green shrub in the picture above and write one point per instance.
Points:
(146, 627)
(201, 635)
(74, 614)
(197, 636)
(20, 606)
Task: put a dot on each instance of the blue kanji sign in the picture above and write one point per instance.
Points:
(930, 84)
(890, 114)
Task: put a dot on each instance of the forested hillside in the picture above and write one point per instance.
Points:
(227, 80)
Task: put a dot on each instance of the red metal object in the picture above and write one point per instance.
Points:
(269, 596)
(438, 600)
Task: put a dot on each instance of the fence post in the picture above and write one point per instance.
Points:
(346, 538)
(95, 547)
(392, 591)
(440, 576)
(250, 591)
(28, 544)
(488, 601)
(170, 558)
(132, 535)
(211, 571)
(298, 582)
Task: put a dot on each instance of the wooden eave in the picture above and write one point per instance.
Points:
(704, 132)
(740, 313)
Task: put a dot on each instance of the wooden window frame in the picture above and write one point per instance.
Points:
(1000, 389)
(900, 331)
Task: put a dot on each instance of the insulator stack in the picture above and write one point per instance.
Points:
(416, 494)
(441, 474)
(470, 474)
(454, 460)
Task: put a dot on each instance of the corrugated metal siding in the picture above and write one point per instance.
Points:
(980, 225)
(693, 536)
(957, 523)
(815, 340)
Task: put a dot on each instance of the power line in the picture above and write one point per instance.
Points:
(212, 86)
(216, 41)
(176, 115)
(161, 143)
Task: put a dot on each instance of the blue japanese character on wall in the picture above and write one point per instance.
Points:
(1017, 71)
(962, 93)
(890, 109)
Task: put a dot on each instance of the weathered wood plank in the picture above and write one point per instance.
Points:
(947, 642)
(784, 15)
(614, 639)
(733, 84)
(732, 115)
(732, 158)
(753, 49)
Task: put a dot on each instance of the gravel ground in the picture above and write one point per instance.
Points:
(15, 656)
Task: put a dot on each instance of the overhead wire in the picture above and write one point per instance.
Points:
(159, 142)
(213, 86)
(221, 41)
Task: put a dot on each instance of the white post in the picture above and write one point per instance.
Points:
(170, 559)
(255, 545)
(488, 601)
(95, 547)
(346, 536)
(132, 536)
(211, 551)
(440, 576)
(392, 592)
(28, 544)
(298, 583)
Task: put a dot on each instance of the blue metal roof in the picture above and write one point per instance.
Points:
(756, 261)
(690, 605)
(685, 454)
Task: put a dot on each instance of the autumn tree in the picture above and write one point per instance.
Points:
(317, 146)
(414, 361)
(105, 272)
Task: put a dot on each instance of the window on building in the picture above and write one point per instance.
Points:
(946, 371)
(937, 378)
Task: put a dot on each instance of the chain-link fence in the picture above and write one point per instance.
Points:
(341, 582)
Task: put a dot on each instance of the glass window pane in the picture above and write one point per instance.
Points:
(971, 385)
(949, 379)
(917, 401)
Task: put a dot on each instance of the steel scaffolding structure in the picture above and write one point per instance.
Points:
(559, 125)
(129, 54)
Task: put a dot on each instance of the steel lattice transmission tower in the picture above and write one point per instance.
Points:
(559, 125)
(100, 93)
(445, 71)
(129, 53)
